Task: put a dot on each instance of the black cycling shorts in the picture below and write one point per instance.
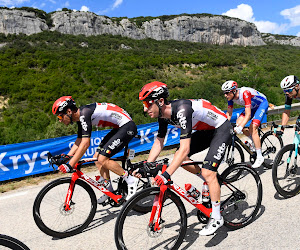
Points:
(117, 139)
(216, 140)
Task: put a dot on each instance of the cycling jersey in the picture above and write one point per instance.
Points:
(100, 115)
(257, 102)
(191, 115)
(248, 97)
(213, 128)
(288, 101)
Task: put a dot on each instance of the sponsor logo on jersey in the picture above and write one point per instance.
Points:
(114, 144)
(221, 151)
(117, 116)
(108, 151)
(83, 123)
(130, 132)
(181, 118)
(212, 115)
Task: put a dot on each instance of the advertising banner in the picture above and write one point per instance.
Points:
(30, 158)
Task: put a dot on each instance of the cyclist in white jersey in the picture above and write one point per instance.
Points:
(256, 106)
(290, 86)
(212, 130)
(100, 115)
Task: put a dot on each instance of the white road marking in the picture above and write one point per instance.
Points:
(13, 195)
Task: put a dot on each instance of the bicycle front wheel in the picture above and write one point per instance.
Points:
(133, 230)
(240, 197)
(49, 209)
(11, 243)
(270, 146)
(286, 172)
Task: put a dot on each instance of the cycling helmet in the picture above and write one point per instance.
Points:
(289, 82)
(62, 104)
(229, 86)
(154, 91)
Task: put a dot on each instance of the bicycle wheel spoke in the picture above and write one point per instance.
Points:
(135, 232)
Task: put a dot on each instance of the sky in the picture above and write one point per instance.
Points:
(270, 16)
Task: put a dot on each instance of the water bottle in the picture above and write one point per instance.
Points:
(102, 181)
(250, 146)
(192, 191)
(205, 193)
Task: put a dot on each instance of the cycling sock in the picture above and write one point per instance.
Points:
(258, 153)
(216, 214)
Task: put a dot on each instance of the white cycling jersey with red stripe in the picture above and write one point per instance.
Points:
(248, 97)
(189, 115)
(101, 115)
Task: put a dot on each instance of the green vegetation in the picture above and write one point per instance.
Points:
(38, 69)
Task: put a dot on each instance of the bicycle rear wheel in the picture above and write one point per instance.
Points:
(11, 243)
(240, 197)
(49, 213)
(132, 229)
(286, 172)
(270, 146)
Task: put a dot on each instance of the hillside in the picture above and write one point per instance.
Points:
(38, 69)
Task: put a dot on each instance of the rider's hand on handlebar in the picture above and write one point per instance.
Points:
(61, 159)
(238, 129)
(162, 179)
(65, 168)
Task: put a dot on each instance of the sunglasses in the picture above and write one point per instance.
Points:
(226, 92)
(60, 116)
(147, 104)
(288, 90)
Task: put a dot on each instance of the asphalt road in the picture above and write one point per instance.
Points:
(276, 226)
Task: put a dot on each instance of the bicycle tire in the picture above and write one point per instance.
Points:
(237, 194)
(46, 218)
(286, 182)
(270, 146)
(130, 234)
(12, 243)
(238, 157)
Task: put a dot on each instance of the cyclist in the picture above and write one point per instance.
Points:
(256, 105)
(290, 86)
(101, 115)
(212, 130)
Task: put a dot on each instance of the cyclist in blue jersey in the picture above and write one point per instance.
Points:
(256, 105)
(290, 86)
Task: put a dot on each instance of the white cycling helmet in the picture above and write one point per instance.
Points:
(229, 85)
(289, 82)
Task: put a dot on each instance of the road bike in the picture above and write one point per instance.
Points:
(270, 145)
(165, 226)
(66, 206)
(11, 243)
(286, 171)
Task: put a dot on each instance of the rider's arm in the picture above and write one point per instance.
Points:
(83, 146)
(229, 112)
(74, 147)
(156, 149)
(285, 116)
(180, 155)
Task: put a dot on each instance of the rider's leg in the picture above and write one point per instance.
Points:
(259, 157)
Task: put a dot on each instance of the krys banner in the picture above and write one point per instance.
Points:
(30, 158)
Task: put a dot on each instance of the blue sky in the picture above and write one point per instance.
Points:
(270, 16)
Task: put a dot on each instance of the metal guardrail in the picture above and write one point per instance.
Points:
(279, 109)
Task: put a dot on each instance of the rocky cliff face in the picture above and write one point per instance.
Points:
(204, 29)
(283, 40)
(17, 22)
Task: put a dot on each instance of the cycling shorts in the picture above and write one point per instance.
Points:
(216, 140)
(258, 113)
(117, 139)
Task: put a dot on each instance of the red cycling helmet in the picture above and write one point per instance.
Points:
(153, 91)
(62, 104)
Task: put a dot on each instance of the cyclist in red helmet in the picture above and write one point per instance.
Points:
(101, 115)
(212, 130)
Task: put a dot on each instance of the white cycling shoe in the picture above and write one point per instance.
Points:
(212, 226)
(132, 183)
(258, 162)
(102, 199)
